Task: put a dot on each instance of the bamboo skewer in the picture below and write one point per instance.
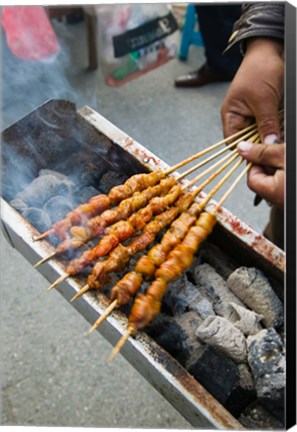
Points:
(43, 260)
(204, 202)
(57, 282)
(100, 320)
(208, 149)
(232, 156)
(183, 163)
(114, 304)
(191, 183)
(131, 329)
(250, 136)
(120, 343)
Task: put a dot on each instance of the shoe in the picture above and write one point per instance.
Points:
(204, 75)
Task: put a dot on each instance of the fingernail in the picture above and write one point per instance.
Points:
(244, 146)
(271, 139)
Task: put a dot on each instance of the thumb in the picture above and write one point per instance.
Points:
(262, 154)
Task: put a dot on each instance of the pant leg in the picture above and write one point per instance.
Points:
(274, 231)
(216, 25)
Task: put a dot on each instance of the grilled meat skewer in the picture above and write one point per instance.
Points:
(102, 202)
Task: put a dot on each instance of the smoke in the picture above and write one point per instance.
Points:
(28, 84)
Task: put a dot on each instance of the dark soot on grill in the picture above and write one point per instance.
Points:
(53, 160)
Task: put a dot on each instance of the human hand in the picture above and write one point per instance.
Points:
(257, 91)
(270, 186)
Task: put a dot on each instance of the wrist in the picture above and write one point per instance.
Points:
(265, 44)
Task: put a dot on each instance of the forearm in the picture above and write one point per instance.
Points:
(265, 20)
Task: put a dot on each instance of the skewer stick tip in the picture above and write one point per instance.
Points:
(43, 260)
(107, 312)
(44, 235)
(57, 282)
(120, 343)
(80, 293)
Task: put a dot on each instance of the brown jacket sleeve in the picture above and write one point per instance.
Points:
(258, 20)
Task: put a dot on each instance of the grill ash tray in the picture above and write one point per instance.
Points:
(56, 158)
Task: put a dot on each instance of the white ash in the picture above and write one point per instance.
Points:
(43, 188)
(202, 306)
(254, 289)
(213, 287)
(246, 320)
(220, 333)
(267, 362)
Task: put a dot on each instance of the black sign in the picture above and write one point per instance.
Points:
(144, 35)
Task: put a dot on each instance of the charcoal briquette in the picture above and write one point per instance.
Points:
(18, 204)
(256, 417)
(216, 372)
(167, 333)
(40, 190)
(243, 393)
(246, 320)
(180, 294)
(214, 288)
(267, 362)
(254, 289)
(224, 336)
(111, 179)
(57, 207)
(84, 194)
(38, 218)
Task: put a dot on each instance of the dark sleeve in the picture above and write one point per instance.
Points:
(258, 20)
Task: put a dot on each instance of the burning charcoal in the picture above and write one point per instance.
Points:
(246, 320)
(57, 207)
(217, 373)
(110, 179)
(267, 362)
(38, 218)
(18, 204)
(243, 393)
(221, 334)
(180, 294)
(254, 289)
(213, 287)
(256, 417)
